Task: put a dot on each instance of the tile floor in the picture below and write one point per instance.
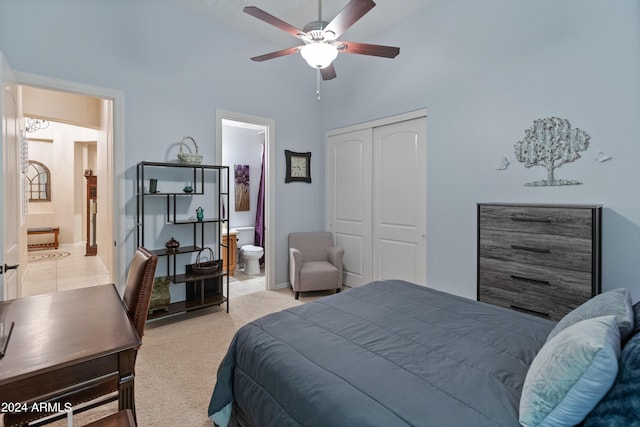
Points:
(68, 268)
(63, 269)
(243, 284)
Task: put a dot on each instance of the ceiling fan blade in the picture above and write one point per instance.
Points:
(369, 49)
(353, 11)
(328, 73)
(276, 22)
(276, 54)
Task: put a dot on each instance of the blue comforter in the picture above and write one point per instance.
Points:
(389, 353)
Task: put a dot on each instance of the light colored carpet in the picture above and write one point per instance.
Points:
(177, 363)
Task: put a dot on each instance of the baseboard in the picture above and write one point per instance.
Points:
(282, 285)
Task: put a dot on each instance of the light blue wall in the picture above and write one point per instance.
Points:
(176, 65)
(485, 70)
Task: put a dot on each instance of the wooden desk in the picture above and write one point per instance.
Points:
(68, 341)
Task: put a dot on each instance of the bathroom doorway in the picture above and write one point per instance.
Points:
(245, 144)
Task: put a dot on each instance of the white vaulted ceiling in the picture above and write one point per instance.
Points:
(300, 12)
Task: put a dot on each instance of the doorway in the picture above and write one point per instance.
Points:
(110, 167)
(262, 131)
(67, 139)
(63, 161)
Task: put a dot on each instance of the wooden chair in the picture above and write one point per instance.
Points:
(136, 299)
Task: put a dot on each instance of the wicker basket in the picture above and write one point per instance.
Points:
(189, 158)
(206, 267)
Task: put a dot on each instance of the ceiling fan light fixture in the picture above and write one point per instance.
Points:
(319, 55)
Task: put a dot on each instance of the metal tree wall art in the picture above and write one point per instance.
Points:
(550, 143)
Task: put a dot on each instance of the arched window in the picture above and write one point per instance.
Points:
(39, 182)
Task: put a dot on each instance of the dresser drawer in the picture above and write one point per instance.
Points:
(559, 221)
(537, 280)
(537, 305)
(572, 253)
(551, 294)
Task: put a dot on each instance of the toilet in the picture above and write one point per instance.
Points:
(249, 253)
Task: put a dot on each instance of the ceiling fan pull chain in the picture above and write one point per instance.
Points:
(318, 85)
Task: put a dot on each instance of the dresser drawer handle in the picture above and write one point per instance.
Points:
(529, 219)
(528, 310)
(530, 249)
(526, 279)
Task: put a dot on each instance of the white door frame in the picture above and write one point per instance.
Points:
(269, 209)
(117, 161)
(380, 122)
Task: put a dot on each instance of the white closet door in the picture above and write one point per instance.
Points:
(349, 202)
(399, 201)
(376, 200)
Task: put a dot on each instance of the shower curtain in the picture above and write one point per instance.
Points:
(259, 230)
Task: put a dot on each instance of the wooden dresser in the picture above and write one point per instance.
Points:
(540, 259)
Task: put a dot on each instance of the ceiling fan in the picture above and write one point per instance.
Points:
(321, 44)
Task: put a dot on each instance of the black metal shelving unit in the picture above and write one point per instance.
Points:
(201, 290)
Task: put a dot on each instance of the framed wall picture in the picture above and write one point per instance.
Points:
(298, 167)
(241, 173)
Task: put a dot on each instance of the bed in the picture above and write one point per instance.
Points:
(389, 353)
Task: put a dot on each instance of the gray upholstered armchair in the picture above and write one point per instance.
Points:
(314, 262)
